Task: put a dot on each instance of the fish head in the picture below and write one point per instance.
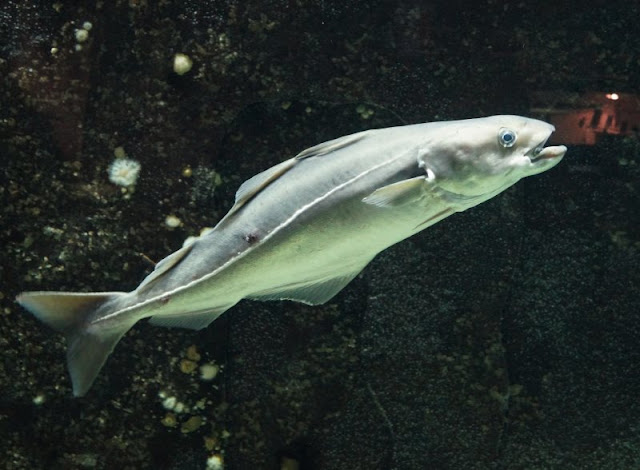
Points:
(475, 159)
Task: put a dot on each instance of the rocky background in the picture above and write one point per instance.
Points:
(504, 337)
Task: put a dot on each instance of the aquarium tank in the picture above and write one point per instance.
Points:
(501, 337)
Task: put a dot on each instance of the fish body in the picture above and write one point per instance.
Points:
(303, 229)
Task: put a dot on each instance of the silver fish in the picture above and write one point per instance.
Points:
(303, 229)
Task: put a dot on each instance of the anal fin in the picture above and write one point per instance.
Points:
(192, 320)
(311, 293)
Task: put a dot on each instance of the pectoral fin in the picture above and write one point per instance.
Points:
(398, 194)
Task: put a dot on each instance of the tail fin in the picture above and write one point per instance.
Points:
(88, 346)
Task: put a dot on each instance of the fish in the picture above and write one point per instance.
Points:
(304, 228)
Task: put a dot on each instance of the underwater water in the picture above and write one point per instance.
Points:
(501, 337)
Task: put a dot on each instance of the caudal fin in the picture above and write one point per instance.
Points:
(88, 346)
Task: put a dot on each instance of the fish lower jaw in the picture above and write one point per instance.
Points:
(548, 153)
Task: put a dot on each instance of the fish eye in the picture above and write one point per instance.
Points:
(507, 137)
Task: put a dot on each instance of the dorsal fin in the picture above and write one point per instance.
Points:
(332, 145)
(257, 183)
(164, 266)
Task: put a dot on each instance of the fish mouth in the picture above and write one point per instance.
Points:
(540, 152)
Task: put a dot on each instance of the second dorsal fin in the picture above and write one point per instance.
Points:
(257, 183)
